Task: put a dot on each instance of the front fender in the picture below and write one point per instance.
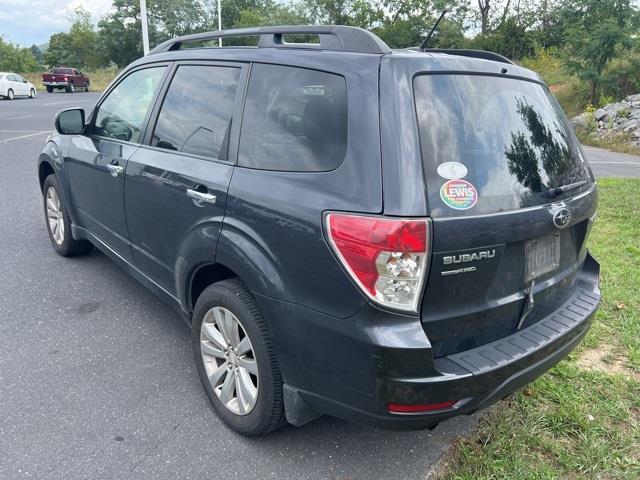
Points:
(51, 158)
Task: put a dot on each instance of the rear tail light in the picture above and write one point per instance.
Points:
(386, 257)
(419, 408)
(65, 79)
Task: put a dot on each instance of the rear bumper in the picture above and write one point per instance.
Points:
(352, 368)
(55, 84)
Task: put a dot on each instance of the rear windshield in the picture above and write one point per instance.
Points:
(66, 71)
(492, 144)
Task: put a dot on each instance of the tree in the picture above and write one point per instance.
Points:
(78, 47)
(355, 13)
(597, 33)
(16, 59)
(58, 51)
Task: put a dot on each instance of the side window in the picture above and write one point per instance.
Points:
(122, 113)
(196, 113)
(294, 120)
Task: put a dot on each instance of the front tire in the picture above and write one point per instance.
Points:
(32, 93)
(10, 95)
(236, 361)
(49, 89)
(59, 223)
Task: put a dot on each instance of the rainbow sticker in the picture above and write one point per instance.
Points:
(459, 194)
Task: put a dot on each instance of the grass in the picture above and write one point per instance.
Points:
(581, 419)
(99, 79)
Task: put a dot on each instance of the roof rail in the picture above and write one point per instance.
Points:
(483, 54)
(332, 37)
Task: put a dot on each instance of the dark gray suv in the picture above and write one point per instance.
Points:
(392, 237)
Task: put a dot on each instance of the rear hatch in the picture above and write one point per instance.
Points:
(511, 200)
(56, 75)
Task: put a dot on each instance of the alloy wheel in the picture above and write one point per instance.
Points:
(229, 360)
(55, 216)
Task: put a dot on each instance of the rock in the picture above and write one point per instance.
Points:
(633, 98)
(636, 134)
(600, 114)
(583, 120)
(629, 126)
(615, 107)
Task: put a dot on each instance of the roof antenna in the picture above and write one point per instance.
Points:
(423, 45)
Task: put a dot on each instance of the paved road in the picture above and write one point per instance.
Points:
(611, 164)
(97, 378)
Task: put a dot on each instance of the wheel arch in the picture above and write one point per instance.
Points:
(202, 277)
(241, 254)
(45, 169)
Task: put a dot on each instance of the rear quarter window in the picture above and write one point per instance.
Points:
(295, 119)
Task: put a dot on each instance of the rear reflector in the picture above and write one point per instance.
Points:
(386, 257)
(427, 407)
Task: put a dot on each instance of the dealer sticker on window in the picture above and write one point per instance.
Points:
(459, 194)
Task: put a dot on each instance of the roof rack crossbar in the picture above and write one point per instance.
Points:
(483, 54)
(332, 37)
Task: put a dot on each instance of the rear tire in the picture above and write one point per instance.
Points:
(49, 89)
(58, 222)
(87, 87)
(71, 88)
(10, 95)
(229, 310)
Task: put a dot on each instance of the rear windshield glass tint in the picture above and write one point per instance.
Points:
(492, 144)
(294, 120)
(66, 71)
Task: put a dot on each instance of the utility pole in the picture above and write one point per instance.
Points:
(219, 21)
(145, 30)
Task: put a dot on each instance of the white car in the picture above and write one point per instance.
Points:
(13, 85)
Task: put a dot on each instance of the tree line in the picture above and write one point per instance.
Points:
(587, 34)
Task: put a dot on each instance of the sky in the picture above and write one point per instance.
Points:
(29, 22)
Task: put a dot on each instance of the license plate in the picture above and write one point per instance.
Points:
(543, 256)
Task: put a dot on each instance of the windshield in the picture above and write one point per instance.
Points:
(492, 144)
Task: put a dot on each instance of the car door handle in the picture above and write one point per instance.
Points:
(201, 197)
(115, 169)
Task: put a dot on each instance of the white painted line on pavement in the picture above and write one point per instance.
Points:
(66, 103)
(17, 118)
(25, 136)
(617, 163)
(16, 131)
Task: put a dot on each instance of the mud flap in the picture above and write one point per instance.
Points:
(296, 409)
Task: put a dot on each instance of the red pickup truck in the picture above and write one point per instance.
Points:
(65, 78)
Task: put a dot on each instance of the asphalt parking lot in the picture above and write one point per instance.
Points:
(96, 374)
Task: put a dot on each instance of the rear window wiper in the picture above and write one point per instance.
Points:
(553, 192)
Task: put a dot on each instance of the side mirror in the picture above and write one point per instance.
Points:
(70, 122)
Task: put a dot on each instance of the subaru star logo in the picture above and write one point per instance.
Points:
(562, 217)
